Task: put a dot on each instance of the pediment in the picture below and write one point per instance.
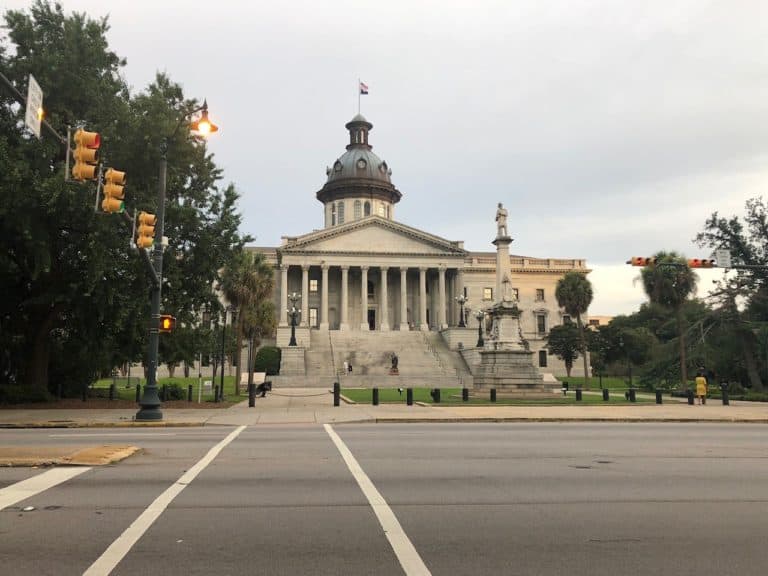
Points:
(373, 235)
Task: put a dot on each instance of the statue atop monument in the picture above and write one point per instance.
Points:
(501, 222)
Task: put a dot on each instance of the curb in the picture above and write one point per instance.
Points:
(54, 425)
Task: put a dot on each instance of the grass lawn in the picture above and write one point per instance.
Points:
(124, 392)
(452, 396)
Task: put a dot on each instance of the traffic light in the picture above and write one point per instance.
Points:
(145, 236)
(86, 155)
(702, 263)
(641, 261)
(167, 323)
(114, 181)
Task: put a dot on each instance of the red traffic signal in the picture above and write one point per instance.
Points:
(641, 261)
(702, 263)
(167, 323)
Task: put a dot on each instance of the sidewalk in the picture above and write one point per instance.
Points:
(315, 406)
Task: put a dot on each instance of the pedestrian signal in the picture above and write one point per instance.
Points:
(86, 155)
(114, 182)
(167, 323)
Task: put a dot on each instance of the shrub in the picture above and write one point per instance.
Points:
(268, 360)
(17, 394)
(175, 391)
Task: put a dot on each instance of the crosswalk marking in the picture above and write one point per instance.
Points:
(406, 553)
(19, 491)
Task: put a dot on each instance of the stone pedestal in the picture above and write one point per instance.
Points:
(292, 361)
(512, 373)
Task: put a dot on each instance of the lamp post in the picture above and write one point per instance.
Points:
(462, 300)
(293, 312)
(150, 401)
(233, 310)
(480, 315)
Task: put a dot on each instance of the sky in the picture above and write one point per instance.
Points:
(608, 129)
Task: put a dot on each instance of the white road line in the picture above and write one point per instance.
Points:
(398, 539)
(14, 493)
(120, 547)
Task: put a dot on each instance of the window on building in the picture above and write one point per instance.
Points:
(313, 285)
(358, 209)
(371, 290)
(566, 319)
(333, 214)
(367, 208)
(542, 358)
(541, 323)
(594, 322)
(341, 212)
(313, 317)
(382, 210)
(487, 293)
(539, 294)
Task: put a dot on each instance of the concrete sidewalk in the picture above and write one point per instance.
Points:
(315, 406)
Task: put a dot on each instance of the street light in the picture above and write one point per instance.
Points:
(233, 310)
(293, 312)
(462, 300)
(480, 315)
(150, 401)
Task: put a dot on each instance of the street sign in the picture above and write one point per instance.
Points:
(723, 258)
(34, 113)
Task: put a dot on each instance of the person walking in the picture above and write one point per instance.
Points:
(346, 367)
(701, 386)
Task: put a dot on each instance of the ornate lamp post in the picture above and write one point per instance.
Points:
(480, 315)
(293, 313)
(233, 311)
(150, 401)
(462, 301)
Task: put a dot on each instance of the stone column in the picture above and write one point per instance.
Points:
(324, 298)
(384, 324)
(284, 295)
(460, 292)
(344, 298)
(423, 300)
(305, 295)
(441, 322)
(364, 298)
(503, 267)
(403, 299)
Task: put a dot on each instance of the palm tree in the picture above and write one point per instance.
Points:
(574, 294)
(247, 283)
(669, 282)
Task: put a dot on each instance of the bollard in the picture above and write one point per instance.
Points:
(493, 394)
(251, 395)
(578, 394)
(111, 391)
(690, 397)
(435, 393)
(138, 393)
(632, 397)
(409, 397)
(375, 396)
(336, 394)
(658, 396)
(189, 393)
(605, 394)
(724, 392)
(465, 394)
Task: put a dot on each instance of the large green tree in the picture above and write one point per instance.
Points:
(564, 341)
(574, 293)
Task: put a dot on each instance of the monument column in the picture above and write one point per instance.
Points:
(384, 323)
(344, 298)
(284, 295)
(441, 322)
(403, 299)
(502, 243)
(423, 300)
(324, 298)
(305, 295)
(364, 298)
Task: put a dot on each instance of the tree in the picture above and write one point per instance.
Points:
(565, 342)
(669, 283)
(574, 294)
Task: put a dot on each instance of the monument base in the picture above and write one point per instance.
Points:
(511, 373)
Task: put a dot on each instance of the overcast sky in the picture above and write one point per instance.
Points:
(607, 128)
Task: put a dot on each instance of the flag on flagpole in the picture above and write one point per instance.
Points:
(363, 88)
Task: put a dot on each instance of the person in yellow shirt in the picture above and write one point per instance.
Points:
(701, 386)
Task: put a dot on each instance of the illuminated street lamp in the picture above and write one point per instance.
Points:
(293, 313)
(462, 300)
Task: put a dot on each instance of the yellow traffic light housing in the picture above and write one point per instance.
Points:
(167, 323)
(114, 182)
(145, 236)
(641, 261)
(701, 263)
(86, 155)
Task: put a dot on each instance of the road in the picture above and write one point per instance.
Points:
(527, 498)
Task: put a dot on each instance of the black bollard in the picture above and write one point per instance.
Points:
(632, 397)
(658, 396)
(409, 397)
(138, 393)
(690, 397)
(251, 395)
(375, 396)
(336, 394)
(465, 394)
(605, 394)
(189, 393)
(435, 393)
(111, 391)
(724, 392)
(578, 394)
(493, 394)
